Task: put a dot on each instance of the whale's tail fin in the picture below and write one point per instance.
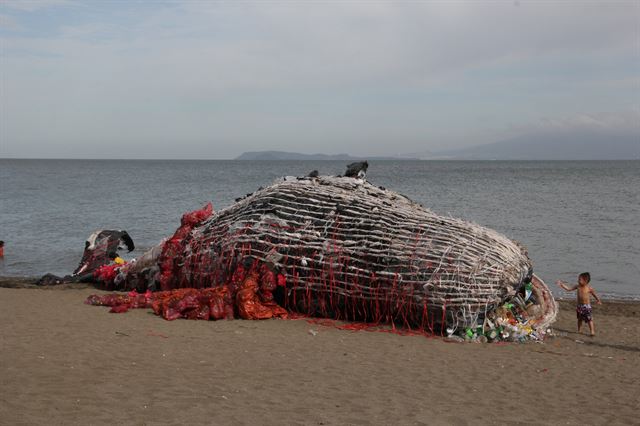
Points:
(98, 248)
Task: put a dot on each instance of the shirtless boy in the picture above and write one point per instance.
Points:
(583, 310)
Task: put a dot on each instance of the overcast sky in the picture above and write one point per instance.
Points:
(200, 79)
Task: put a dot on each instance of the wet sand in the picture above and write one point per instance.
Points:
(64, 362)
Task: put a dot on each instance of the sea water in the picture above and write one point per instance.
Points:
(572, 216)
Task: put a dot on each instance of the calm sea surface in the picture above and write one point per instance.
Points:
(572, 216)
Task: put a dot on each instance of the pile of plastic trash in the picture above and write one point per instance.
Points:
(514, 321)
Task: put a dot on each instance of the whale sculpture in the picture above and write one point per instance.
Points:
(340, 247)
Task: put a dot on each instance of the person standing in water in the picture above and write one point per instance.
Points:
(583, 308)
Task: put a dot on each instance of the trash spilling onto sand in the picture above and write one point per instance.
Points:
(513, 321)
(337, 248)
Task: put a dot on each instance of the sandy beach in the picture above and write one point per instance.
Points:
(64, 362)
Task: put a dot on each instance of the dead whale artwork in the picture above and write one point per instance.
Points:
(338, 248)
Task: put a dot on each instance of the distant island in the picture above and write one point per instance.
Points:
(283, 155)
(574, 145)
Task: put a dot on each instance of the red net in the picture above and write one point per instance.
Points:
(173, 248)
(248, 302)
(106, 275)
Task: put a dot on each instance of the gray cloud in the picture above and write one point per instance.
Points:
(34, 5)
(374, 78)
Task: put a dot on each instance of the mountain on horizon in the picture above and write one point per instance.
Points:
(591, 145)
(559, 145)
(283, 155)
